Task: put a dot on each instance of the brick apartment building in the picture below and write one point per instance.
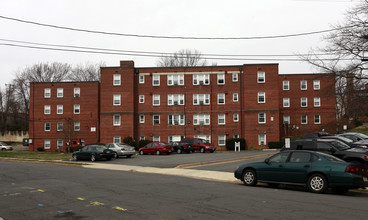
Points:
(167, 104)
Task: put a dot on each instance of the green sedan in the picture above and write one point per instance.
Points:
(317, 171)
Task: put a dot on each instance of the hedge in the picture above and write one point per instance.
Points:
(230, 143)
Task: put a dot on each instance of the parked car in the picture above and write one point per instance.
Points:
(317, 134)
(199, 144)
(351, 143)
(180, 147)
(315, 170)
(354, 136)
(156, 148)
(121, 150)
(4, 146)
(93, 153)
(333, 147)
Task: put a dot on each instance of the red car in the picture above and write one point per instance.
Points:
(199, 144)
(156, 148)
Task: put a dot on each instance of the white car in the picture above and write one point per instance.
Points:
(4, 146)
(121, 150)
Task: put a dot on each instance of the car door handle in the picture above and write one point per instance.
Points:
(306, 166)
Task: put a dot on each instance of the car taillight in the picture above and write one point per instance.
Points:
(122, 149)
(366, 157)
(356, 169)
(102, 152)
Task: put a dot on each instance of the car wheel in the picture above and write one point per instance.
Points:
(179, 151)
(75, 157)
(116, 155)
(93, 158)
(340, 189)
(212, 151)
(202, 150)
(141, 152)
(317, 183)
(3, 149)
(249, 177)
(129, 156)
(158, 152)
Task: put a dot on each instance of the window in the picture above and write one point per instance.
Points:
(76, 92)
(59, 126)
(141, 79)
(117, 80)
(117, 139)
(156, 119)
(141, 118)
(156, 80)
(156, 100)
(76, 126)
(316, 84)
(156, 138)
(47, 109)
(47, 126)
(221, 119)
(235, 77)
(116, 99)
(175, 99)
(304, 119)
(221, 140)
(176, 120)
(47, 93)
(262, 118)
(286, 102)
(304, 102)
(285, 85)
(286, 119)
(303, 84)
(59, 109)
(317, 102)
(141, 98)
(59, 144)
(261, 97)
(235, 97)
(261, 139)
(300, 157)
(76, 109)
(236, 117)
(221, 79)
(174, 80)
(221, 99)
(47, 144)
(317, 119)
(60, 92)
(201, 99)
(261, 77)
(142, 138)
(201, 79)
(201, 119)
(116, 119)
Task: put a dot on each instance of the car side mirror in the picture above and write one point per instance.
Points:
(267, 161)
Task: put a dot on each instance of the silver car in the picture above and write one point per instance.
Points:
(121, 150)
(4, 146)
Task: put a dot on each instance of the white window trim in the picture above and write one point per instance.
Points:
(260, 139)
(116, 97)
(44, 128)
(198, 78)
(116, 139)
(76, 106)
(75, 126)
(218, 98)
(181, 119)
(315, 83)
(283, 119)
(259, 122)
(301, 85)
(319, 119)
(141, 79)
(47, 109)
(116, 81)
(236, 117)
(141, 97)
(76, 92)
(47, 144)
(260, 73)
(61, 92)
(142, 118)
(156, 78)
(218, 119)
(158, 99)
(114, 122)
(175, 99)
(318, 103)
(288, 102)
(198, 117)
(221, 77)
(260, 94)
(235, 79)
(153, 120)
(235, 97)
(306, 120)
(197, 99)
(222, 137)
(306, 102)
(59, 107)
(47, 94)
(286, 82)
(57, 126)
(175, 80)
(57, 143)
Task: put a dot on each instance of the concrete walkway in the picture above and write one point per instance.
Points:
(197, 174)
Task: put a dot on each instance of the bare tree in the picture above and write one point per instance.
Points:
(87, 72)
(182, 58)
(345, 57)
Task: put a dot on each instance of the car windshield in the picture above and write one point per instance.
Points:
(345, 139)
(330, 157)
(339, 145)
(362, 136)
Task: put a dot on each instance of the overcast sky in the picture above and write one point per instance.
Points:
(184, 18)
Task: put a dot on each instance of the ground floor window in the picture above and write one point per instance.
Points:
(222, 140)
(203, 136)
(117, 139)
(142, 138)
(156, 137)
(176, 138)
(60, 144)
(262, 139)
(47, 144)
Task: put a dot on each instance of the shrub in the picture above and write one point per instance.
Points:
(143, 143)
(276, 144)
(128, 140)
(39, 148)
(73, 149)
(230, 143)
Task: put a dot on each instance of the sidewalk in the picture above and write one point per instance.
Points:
(197, 174)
